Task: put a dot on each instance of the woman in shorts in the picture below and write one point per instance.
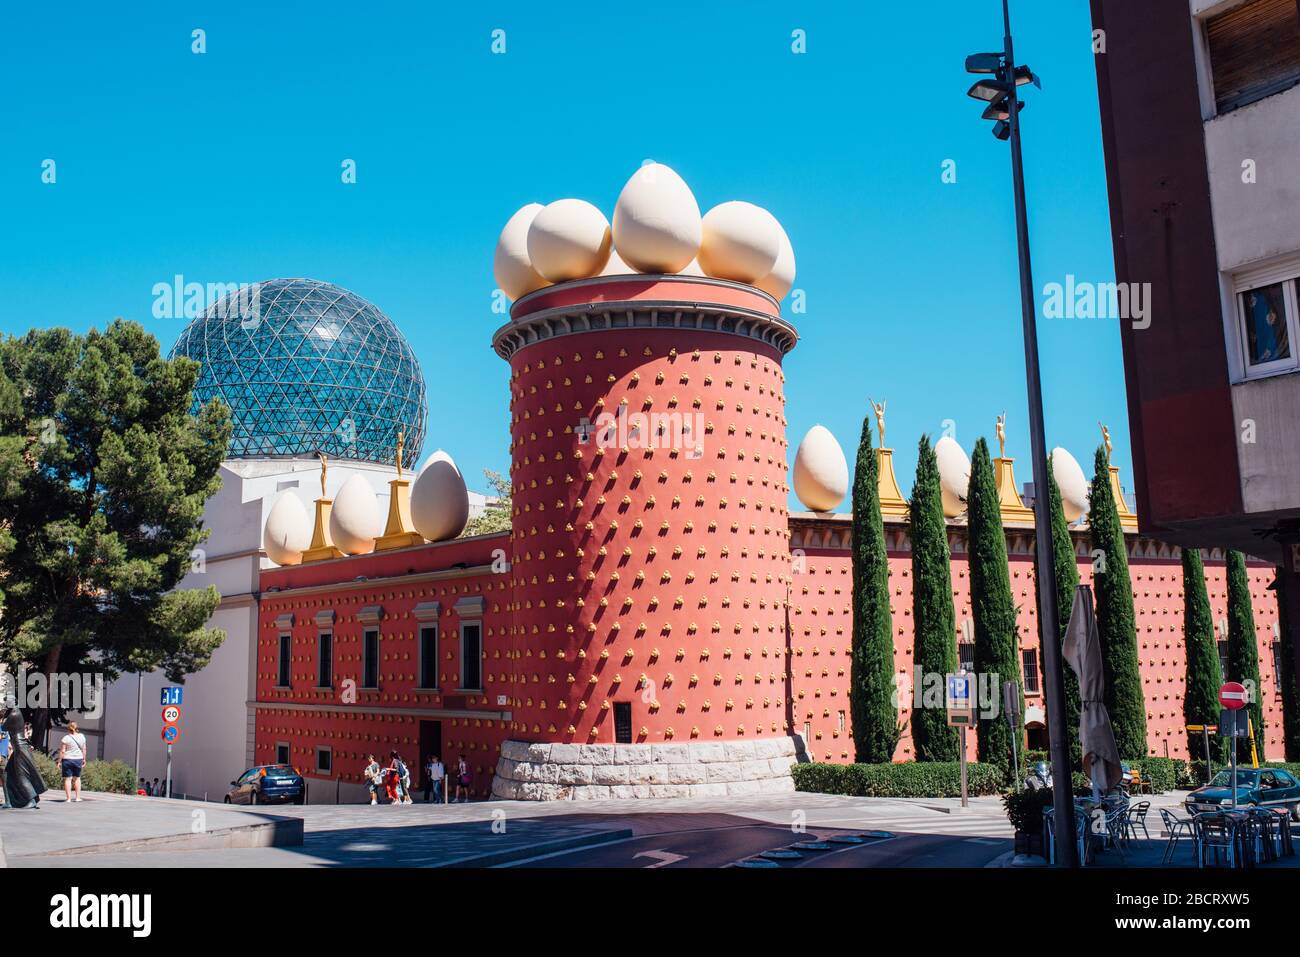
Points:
(72, 758)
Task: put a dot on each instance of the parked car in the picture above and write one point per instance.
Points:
(1264, 787)
(268, 784)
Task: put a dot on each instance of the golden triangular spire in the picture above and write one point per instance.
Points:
(1012, 506)
(1127, 518)
(399, 532)
(322, 546)
(892, 502)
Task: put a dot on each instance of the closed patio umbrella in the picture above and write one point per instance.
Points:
(1082, 649)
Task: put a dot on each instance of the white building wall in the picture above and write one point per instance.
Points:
(216, 742)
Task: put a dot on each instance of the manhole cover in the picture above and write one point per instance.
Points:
(811, 846)
(754, 862)
(780, 855)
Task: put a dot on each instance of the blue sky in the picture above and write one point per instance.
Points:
(226, 167)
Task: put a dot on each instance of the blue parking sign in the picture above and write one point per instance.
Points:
(171, 695)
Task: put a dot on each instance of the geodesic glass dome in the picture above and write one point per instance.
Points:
(306, 366)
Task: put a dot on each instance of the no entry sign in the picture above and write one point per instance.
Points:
(1232, 695)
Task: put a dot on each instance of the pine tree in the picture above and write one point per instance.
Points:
(1201, 692)
(997, 655)
(1066, 566)
(108, 505)
(872, 686)
(1243, 648)
(934, 649)
(1115, 620)
(1287, 679)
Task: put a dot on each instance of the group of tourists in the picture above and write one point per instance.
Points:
(393, 781)
(154, 788)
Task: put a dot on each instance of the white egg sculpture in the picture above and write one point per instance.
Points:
(569, 239)
(355, 520)
(657, 225)
(511, 266)
(778, 282)
(692, 268)
(1072, 483)
(288, 530)
(741, 242)
(616, 266)
(439, 499)
(821, 474)
(954, 475)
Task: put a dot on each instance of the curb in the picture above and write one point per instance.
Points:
(534, 850)
(280, 832)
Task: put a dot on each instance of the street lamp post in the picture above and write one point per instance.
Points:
(1004, 108)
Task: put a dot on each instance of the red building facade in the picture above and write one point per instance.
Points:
(655, 623)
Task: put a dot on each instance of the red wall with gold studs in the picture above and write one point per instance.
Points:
(654, 575)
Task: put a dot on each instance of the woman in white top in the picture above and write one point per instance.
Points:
(72, 757)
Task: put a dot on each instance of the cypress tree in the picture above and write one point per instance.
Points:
(1243, 649)
(1286, 680)
(1115, 621)
(1066, 565)
(1201, 693)
(872, 687)
(997, 657)
(934, 649)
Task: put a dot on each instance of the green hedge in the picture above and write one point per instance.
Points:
(914, 779)
(1163, 773)
(116, 777)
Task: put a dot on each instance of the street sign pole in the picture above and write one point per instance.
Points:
(1209, 761)
(168, 791)
(1234, 760)
(965, 799)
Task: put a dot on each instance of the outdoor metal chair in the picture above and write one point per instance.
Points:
(1082, 823)
(1265, 827)
(1117, 826)
(1215, 832)
(1177, 828)
(1137, 817)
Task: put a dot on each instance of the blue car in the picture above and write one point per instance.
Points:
(1263, 787)
(268, 784)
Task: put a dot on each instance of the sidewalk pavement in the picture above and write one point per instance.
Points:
(121, 830)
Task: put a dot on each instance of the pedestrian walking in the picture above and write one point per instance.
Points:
(373, 778)
(72, 758)
(463, 779)
(393, 779)
(157, 788)
(434, 777)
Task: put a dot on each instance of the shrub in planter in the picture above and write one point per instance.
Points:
(913, 779)
(116, 777)
(1025, 809)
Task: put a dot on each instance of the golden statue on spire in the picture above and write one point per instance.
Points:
(401, 441)
(1105, 439)
(1002, 435)
(324, 467)
(880, 418)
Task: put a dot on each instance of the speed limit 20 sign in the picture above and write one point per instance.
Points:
(171, 714)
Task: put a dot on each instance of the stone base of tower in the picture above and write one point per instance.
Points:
(583, 772)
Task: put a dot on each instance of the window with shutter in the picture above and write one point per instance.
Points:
(1254, 51)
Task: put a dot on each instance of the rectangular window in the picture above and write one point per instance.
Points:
(283, 669)
(1029, 661)
(843, 723)
(325, 663)
(1254, 51)
(1277, 667)
(429, 656)
(966, 655)
(471, 656)
(281, 753)
(1267, 319)
(324, 760)
(622, 722)
(370, 663)
(1223, 658)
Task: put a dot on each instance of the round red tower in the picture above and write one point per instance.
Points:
(650, 548)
